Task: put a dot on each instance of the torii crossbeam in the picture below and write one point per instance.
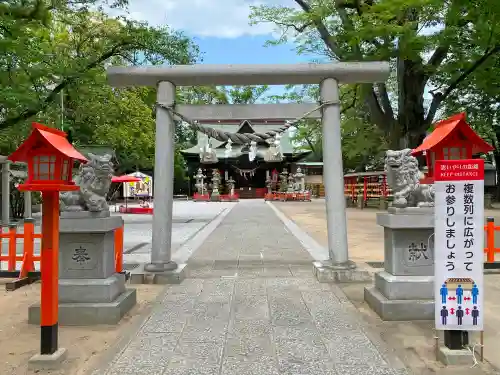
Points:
(328, 76)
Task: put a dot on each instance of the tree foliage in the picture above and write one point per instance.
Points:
(52, 70)
(362, 142)
(439, 44)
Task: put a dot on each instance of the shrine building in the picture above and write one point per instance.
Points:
(249, 175)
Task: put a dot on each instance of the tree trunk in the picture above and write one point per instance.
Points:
(411, 113)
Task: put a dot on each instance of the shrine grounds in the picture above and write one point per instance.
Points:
(228, 264)
(19, 340)
(413, 341)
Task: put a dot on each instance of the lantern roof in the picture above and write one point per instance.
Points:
(443, 129)
(54, 138)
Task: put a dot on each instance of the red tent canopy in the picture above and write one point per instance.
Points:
(125, 178)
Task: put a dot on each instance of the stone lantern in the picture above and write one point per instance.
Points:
(299, 180)
(199, 176)
(230, 186)
(283, 180)
(216, 179)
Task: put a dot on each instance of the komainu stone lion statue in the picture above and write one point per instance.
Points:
(403, 176)
(94, 180)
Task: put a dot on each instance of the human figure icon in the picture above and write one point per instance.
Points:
(444, 293)
(460, 293)
(460, 315)
(475, 293)
(444, 315)
(475, 315)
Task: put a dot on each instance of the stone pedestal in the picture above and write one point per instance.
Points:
(90, 291)
(405, 289)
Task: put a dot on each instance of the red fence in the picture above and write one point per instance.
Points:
(366, 185)
(28, 257)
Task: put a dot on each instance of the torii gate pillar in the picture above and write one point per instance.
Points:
(163, 189)
(338, 267)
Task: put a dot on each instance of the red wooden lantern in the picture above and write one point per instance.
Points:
(50, 159)
(451, 139)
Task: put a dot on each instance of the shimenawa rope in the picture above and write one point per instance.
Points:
(239, 138)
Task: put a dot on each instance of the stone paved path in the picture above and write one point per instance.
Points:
(251, 306)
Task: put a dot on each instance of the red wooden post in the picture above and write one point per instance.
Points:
(29, 245)
(365, 189)
(490, 239)
(49, 269)
(119, 249)
(11, 265)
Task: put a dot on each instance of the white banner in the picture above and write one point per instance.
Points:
(459, 244)
(143, 188)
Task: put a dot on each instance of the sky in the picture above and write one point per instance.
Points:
(221, 29)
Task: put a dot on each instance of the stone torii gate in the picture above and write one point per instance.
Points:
(328, 76)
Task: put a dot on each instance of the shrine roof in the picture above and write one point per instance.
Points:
(50, 136)
(444, 128)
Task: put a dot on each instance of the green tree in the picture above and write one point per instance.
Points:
(480, 100)
(362, 142)
(429, 43)
(244, 94)
(45, 55)
(53, 55)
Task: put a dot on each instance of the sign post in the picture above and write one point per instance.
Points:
(459, 244)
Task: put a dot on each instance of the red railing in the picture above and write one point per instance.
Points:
(28, 257)
(490, 250)
(201, 197)
(284, 196)
(366, 185)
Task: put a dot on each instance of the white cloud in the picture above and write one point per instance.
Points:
(204, 18)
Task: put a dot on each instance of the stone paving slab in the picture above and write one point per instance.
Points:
(251, 306)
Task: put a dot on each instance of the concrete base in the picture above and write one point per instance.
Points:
(404, 287)
(215, 197)
(325, 272)
(86, 314)
(91, 290)
(399, 309)
(450, 357)
(412, 211)
(140, 276)
(48, 361)
(160, 267)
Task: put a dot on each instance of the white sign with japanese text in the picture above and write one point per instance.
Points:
(459, 244)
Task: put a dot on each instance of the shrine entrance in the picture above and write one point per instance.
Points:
(249, 166)
(167, 78)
